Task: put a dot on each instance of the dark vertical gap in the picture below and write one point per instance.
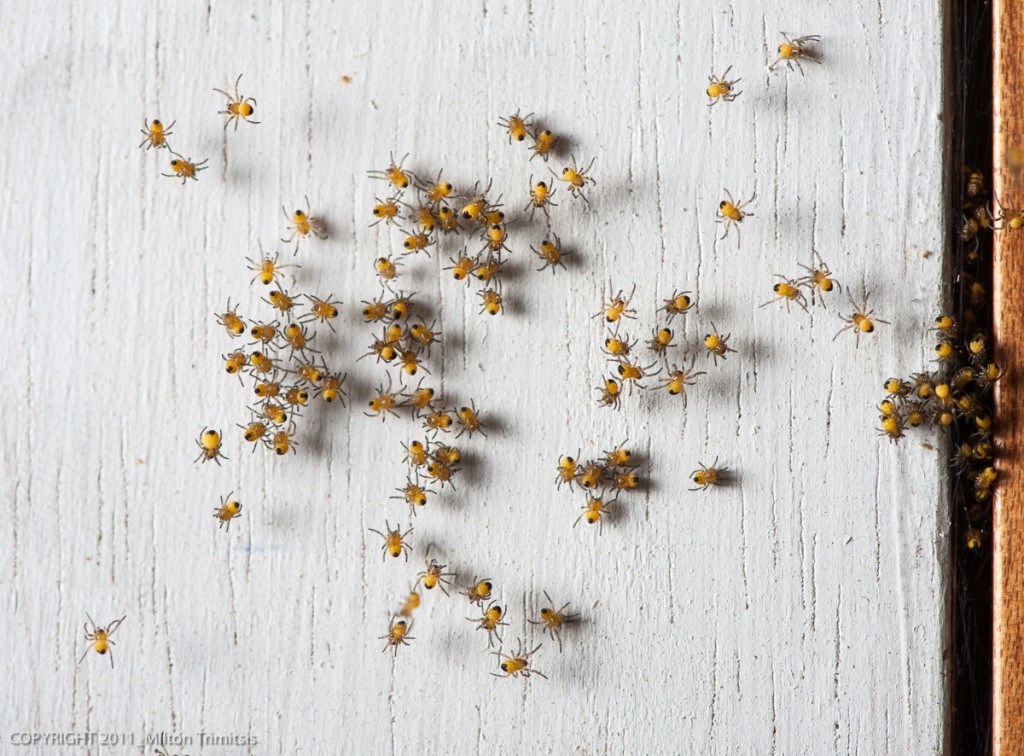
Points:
(970, 297)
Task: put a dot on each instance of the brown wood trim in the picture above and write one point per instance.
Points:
(1008, 303)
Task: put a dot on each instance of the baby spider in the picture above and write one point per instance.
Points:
(438, 420)
(469, 419)
(619, 456)
(540, 198)
(296, 397)
(618, 345)
(448, 220)
(1009, 219)
(479, 591)
(238, 107)
(322, 310)
(491, 301)
(678, 304)
(705, 477)
(297, 339)
(447, 455)
(721, 88)
(716, 345)
(489, 269)
(411, 363)
(421, 400)
(591, 475)
(394, 174)
(310, 372)
(386, 211)
(660, 340)
(209, 446)
(385, 401)
(416, 453)
(542, 144)
(435, 576)
(974, 181)
(254, 432)
(554, 620)
(332, 389)
(551, 253)
(787, 290)
(156, 134)
(595, 511)
(227, 511)
(442, 472)
(979, 220)
(731, 213)
(261, 363)
(462, 266)
(280, 300)
(945, 327)
(792, 51)
(891, 426)
(517, 126)
(577, 178)
(490, 620)
(518, 663)
(231, 321)
(425, 218)
(859, 321)
(915, 413)
(267, 269)
(424, 336)
(991, 373)
(610, 393)
(375, 310)
(477, 206)
(414, 494)
(494, 242)
(384, 348)
(400, 307)
(568, 469)
(234, 364)
(185, 169)
(623, 481)
(397, 634)
(437, 192)
(411, 603)
(417, 241)
(302, 224)
(99, 638)
(633, 372)
(679, 378)
(617, 306)
(819, 279)
(394, 541)
(283, 441)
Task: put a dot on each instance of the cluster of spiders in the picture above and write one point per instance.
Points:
(793, 52)
(491, 617)
(430, 213)
(601, 480)
(966, 368)
(630, 372)
(438, 211)
(237, 108)
(284, 368)
(957, 396)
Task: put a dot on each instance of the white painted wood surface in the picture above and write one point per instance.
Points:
(802, 610)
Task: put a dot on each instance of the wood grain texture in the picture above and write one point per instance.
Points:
(1008, 293)
(802, 610)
